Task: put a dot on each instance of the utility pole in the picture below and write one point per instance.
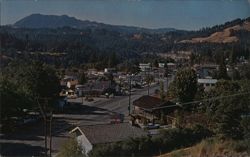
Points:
(129, 98)
(166, 70)
(43, 108)
(50, 134)
(148, 82)
(45, 127)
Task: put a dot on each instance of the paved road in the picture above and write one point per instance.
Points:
(29, 141)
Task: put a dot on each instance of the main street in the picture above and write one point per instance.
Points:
(118, 105)
(29, 141)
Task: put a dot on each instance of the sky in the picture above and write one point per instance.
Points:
(179, 14)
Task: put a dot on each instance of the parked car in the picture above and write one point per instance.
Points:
(116, 118)
(153, 126)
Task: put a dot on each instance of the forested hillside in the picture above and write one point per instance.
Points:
(67, 46)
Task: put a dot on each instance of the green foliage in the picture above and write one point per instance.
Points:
(186, 85)
(35, 78)
(149, 79)
(226, 113)
(241, 145)
(171, 92)
(234, 75)
(222, 73)
(70, 149)
(13, 104)
(162, 92)
(21, 84)
(232, 56)
(83, 78)
(42, 80)
(245, 124)
(97, 46)
(112, 61)
(244, 71)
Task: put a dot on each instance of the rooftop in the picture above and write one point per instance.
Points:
(150, 102)
(108, 133)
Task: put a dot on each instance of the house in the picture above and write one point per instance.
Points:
(151, 110)
(206, 71)
(171, 66)
(207, 83)
(161, 65)
(68, 93)
(179, 56)
(110, 70)
(94, 88)
(90, 136)
(92, 72)
(145, 67)
(69, 81)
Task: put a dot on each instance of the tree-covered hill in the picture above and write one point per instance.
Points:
(77, 46)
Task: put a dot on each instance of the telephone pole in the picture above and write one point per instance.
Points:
(148, 82)
(129, 98)
(50, 134)
(43, 108)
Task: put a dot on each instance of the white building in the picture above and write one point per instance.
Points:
(161, 65)
(145, 66)
(171, 66)
(109, 70)
(90, 136)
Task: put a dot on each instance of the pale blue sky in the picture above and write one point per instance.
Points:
(180, 14)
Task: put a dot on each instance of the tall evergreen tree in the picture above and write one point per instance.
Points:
(186, 84)
(222, 74)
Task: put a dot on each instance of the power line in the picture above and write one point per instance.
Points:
(198, 101)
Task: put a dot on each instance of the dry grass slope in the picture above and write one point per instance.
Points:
(224, 36)
(213, 148)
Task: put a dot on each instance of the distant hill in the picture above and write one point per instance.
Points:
(84, 42)
(54, 21)
(227, 35)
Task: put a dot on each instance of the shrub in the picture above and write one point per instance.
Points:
(241, 146)
(70, 148)
(168, 140)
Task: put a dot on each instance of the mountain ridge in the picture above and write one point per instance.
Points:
(56, 21)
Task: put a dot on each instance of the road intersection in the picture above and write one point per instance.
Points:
(29, 141)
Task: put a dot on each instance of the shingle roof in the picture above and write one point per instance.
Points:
(107, 133)
(148, 102)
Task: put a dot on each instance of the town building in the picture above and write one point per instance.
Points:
(69, 93)
(152, 110)
(206, 71)
(171, 67)
(69, 81)
(161, 65)
(110, 70)
(144, 67)
(94, 88)
(92, 72)
(207, 83)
